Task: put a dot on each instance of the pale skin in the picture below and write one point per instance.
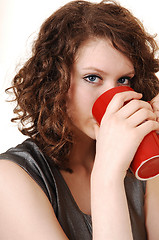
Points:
(25, 211)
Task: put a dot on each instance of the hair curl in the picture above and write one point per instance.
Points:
(41, 86)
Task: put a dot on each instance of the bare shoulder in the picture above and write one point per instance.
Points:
(25, 211)
(152, 208)
(14, 180)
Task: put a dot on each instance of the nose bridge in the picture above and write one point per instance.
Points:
(111, 83)
(107, 84)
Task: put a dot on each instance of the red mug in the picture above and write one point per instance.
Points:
(145, 164)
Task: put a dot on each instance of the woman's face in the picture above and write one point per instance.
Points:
(98, 66)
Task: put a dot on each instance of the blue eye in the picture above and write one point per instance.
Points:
(92, 78)
(124, 81)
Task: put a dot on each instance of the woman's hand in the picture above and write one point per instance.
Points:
(155, 106)
(117, 138)
(122, 129)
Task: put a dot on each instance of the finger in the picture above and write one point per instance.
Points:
(157, 115)
(119, 100)
(141, 116)
(155, 105)
(133, 106)
(147, 127)
(155, 99)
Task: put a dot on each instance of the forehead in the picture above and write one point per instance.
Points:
(99, 52)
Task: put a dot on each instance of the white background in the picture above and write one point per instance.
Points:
(19, 23)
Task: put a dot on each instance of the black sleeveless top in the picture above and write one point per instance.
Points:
(76, 224)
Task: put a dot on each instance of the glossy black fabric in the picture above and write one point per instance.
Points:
(75, 224)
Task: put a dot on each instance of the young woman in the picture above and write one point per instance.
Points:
(71, 179)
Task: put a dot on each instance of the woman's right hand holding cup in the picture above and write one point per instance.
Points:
(125, 123)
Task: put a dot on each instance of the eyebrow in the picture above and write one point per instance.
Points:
(103, 72)
(94, 69)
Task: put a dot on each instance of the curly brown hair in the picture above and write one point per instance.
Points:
(41, 86)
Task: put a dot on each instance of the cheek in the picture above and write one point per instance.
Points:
(80, 101)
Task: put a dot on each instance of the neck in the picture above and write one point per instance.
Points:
(83, 152)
